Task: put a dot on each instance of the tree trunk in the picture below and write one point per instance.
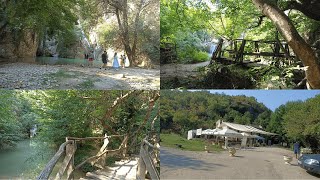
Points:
(124, 29)
(303, 50)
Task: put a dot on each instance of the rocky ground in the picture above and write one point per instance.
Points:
(34, 76)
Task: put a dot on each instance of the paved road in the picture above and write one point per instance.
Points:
(257, 163)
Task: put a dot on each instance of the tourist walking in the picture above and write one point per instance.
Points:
(115, 64)
(104, 58)
(91, 59)
(123, 63)
(296, 149)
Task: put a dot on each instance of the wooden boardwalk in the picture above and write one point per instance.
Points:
(125, 169)
(146, 164)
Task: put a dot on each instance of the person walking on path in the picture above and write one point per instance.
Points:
(123, 63)
(91, 59)
(115, 64)
(296, 149)
(104, 58)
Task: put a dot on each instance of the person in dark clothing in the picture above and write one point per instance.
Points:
(296, 149)
(104, 58)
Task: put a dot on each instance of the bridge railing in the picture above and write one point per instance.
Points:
(147, 160)
(69, 147)
(277, 49)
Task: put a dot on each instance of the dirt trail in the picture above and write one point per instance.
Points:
(256, 163)
(181, 70)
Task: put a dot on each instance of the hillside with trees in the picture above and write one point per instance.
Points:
(182, 111)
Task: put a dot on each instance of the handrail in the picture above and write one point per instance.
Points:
(88, 138)
(45, 173)
(70, 148)
(150, 145)
(146, 163)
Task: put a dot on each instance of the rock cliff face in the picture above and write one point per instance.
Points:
(22, 49)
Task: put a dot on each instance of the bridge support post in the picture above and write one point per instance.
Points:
(142, 168)
(70, 149)
(101, 162)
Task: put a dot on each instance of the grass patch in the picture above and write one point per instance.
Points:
(171, 140)
(87, 84)
(63, 74)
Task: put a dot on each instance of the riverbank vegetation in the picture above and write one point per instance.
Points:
(71, 113)
(277, 53)
(294, 121)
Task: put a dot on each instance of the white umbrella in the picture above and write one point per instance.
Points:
(227, 133)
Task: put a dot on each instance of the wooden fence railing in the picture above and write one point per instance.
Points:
(69, 147)
(147, 159)
(278, 49)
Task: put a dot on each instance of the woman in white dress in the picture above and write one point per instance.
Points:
(115, 64)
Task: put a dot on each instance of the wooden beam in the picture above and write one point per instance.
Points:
(151, 168)
(70, 150)
(90, 138)
(239, 56)
(45, 173)
(217, 51)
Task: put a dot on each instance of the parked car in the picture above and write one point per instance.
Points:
(310, 162)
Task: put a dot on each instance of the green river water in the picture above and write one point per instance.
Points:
(24, 161)
(27, 160)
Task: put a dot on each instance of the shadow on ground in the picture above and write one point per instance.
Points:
(170, 160)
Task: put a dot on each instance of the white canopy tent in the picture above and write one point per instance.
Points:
(228, 133)
(209, 131)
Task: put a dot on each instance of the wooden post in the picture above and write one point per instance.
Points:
(257, 50)
(142, 169)
(71, 149)
(151, 168)
(239, 56)
(125, 147)
(67, 163)
(101, 162)
(235, 49)
(217, 52)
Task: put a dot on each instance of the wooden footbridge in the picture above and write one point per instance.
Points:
(143, 166)
(239, 48)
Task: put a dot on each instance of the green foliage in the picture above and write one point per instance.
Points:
(182, 111)
(302, 122)
(216, 76)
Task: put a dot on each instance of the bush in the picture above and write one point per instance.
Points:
(200, 56)
(226, 77)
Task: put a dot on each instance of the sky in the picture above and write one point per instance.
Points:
(272, 98)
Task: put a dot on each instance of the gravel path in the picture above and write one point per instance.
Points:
(34, 76)
(181, 70)
(257, 163)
